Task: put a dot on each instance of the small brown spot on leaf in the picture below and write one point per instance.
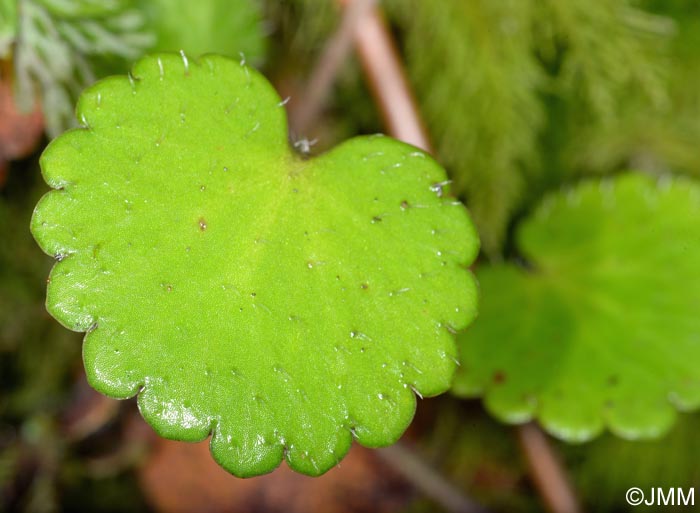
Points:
(202, 224)
(499, 377)
(364, 286)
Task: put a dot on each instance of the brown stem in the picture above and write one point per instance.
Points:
(406, 462)
(548, 473)
(392, 93)
(337, 49)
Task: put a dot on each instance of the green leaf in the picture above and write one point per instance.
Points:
(281, 304)
(603, 330)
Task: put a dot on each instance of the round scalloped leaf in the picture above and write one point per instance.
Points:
(281, 304)
(602, 329)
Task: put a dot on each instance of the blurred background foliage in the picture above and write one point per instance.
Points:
(520, 97)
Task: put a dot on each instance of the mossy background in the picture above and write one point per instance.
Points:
(520, 97)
